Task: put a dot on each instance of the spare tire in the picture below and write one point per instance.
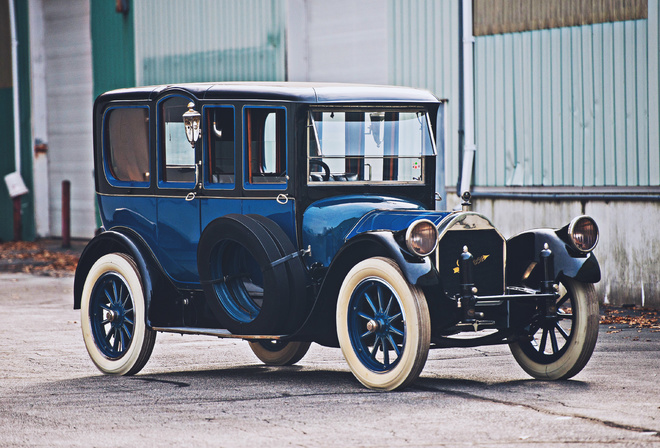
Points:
(245, 292)
(299, 305)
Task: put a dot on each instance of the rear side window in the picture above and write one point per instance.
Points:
(265, 141)
(127, 146)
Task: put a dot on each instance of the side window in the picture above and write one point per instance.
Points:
(265, 131)
(177, 163)
(220, 144)
(126, 141)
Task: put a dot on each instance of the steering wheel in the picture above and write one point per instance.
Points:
(326, 168)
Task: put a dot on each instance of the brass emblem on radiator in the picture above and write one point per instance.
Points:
(476, 260)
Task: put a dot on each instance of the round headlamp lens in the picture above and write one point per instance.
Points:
(584, 233)
(422, 237)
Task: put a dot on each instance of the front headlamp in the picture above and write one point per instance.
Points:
(422, 237)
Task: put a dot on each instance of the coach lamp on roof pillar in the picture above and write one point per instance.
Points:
(192, 121)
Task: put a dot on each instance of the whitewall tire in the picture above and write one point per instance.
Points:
(383, 325)
(113, 316)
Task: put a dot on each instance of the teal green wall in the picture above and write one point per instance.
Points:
(113, 46)
(210, 40)
(7, 162)
(25, 106)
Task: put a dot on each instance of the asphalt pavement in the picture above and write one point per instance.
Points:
(200, 391)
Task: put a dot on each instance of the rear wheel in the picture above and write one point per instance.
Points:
(279, 353)
(559, 347)
(113, 316)
(383, 325)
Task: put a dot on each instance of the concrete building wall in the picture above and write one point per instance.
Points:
(68, 52)
(628, 246)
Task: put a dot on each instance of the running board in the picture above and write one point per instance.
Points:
(220, 333)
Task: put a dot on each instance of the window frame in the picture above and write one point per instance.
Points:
(207, 163)
(247, 185)
(105, 149)
(160, 147)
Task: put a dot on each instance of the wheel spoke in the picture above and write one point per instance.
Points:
(553, 340)
(108, 336)
(544, 340)
(114, 291)
(386, 353)
(391, 319)
(115, 344)
(379, 294)
(375, 349)
(565, 316)
(121, 338)
(563, 300)
(128, 333)
(109, 297)
(561, 331)
(362, 336)
(371, 304)
(396, 331)
(389, 305)
(364, 315)
(128, 321)
(393, 344)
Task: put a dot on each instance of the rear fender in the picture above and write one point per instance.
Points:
(154, 282)
(524, 249)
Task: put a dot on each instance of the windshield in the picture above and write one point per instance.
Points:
(368, 146)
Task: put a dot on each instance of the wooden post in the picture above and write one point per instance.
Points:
(18, 222)
(66, 214)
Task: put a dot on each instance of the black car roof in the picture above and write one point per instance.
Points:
(282, 91)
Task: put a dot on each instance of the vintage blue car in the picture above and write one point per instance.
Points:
(286, 214)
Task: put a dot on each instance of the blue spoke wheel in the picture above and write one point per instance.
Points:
(383, 325)
(113, 316)
(559, 347)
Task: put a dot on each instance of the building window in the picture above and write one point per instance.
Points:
(511, 16)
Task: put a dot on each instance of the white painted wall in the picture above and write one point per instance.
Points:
(627, 249)
(337, 41)
(68, 66)
(39, 118)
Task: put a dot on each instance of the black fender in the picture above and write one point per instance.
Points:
(525, 248)
(154, 282)
(321, 324)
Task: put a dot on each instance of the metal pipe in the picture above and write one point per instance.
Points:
(14, 77)
(468, 97)
(568, 197)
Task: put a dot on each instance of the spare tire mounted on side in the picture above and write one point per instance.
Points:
(245, 291)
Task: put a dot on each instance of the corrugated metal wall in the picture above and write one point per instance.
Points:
(569, 107)
(424, 53)
(209, 40)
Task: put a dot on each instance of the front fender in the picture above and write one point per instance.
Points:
(525, 249)
(321, 325)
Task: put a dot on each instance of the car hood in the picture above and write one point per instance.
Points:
(329, 223)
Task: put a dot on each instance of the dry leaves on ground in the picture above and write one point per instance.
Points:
(639, 318)
(34, 257)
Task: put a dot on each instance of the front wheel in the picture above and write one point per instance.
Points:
(559, 347)
(383, 325)
(113, 316)
(278, 353)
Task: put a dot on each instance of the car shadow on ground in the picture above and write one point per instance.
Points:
(266, 382)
